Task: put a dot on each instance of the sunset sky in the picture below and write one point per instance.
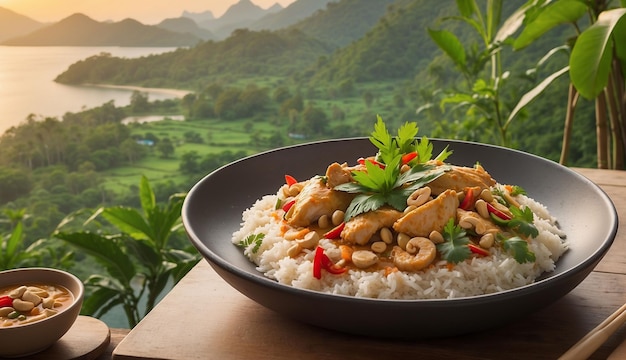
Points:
(145, 11)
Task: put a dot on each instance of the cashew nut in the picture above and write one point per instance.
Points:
(310, 240)
(364, 258)
(419, 196)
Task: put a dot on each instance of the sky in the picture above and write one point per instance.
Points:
(145, 11)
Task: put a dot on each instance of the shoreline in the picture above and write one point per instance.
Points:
(174, 92)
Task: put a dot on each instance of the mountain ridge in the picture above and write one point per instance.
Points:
(80, 30)
(13, 24)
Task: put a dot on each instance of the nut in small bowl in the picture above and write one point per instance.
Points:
(37, 307)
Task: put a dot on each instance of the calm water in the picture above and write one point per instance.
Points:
(27, 82)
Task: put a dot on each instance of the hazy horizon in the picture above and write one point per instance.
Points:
(116, 10)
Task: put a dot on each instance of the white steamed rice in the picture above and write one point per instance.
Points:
(476, 276)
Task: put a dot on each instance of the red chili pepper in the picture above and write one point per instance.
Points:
(372, 161)
(6, 301)
(317, 262)
(288, 205)
(492, 210)
(478, 250)
(468, 200)
(406, 158)
(335, 232)
(290, 180)
(322, 261)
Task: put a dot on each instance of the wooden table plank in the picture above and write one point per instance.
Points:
(231, 326)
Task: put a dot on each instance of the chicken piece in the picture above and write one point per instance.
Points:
(362, 227)
(337, 174)
(460, 177)
(433, 215)
(316, 199)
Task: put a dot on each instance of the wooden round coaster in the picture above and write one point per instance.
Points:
(88, 338)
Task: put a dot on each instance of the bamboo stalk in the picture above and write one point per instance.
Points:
(572, 100)
(601, 132)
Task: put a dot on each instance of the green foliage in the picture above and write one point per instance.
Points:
(454, 249)
(481, 65)
(243, 53)
(596, 69)
(139, 252)
(15, 252)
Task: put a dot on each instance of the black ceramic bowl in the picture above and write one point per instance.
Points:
(213, 207)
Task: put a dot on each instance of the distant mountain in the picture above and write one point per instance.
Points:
(185, 25)
(81, 30)
(294, 12)
(396, 47)
(239, 15)
(345, 21)
(13, 24)
(244, 53)
(199, 17)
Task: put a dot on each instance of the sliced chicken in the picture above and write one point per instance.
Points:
(362, 227)
(317, 199)
(433, 215)
(459, 178)
(337, 174)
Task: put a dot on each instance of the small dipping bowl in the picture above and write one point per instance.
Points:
(27, 339)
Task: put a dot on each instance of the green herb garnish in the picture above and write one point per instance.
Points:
(518, 248)
(382, 183)
(256, 239)
(454, 248)
(522, 221)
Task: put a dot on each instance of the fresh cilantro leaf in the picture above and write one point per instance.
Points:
(518, 248)
(517, 190)
(380, 137)
(363, 203)
(420, 175)
(443, 155)
(454, 248)
(256, 239)
(424, 150)
(406, 137)
(522, 221)
(378, 184)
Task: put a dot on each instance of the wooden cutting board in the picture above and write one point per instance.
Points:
(87, 339)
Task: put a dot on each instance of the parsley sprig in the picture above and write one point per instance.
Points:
(256, 239)
(518, 248)
(454, 248)
(522, 221)
(377, 185)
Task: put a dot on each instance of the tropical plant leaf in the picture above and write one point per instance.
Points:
(554, 14)
(128, 220)
(146, 195)
(106, 251)
(144, 251)
(451, 45)
(98, 299)
(12, 244)
(590, 62)
(466, 8)
(534, 93)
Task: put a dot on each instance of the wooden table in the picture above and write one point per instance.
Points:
(204, 318)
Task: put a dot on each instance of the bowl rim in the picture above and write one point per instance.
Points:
(543, 281)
